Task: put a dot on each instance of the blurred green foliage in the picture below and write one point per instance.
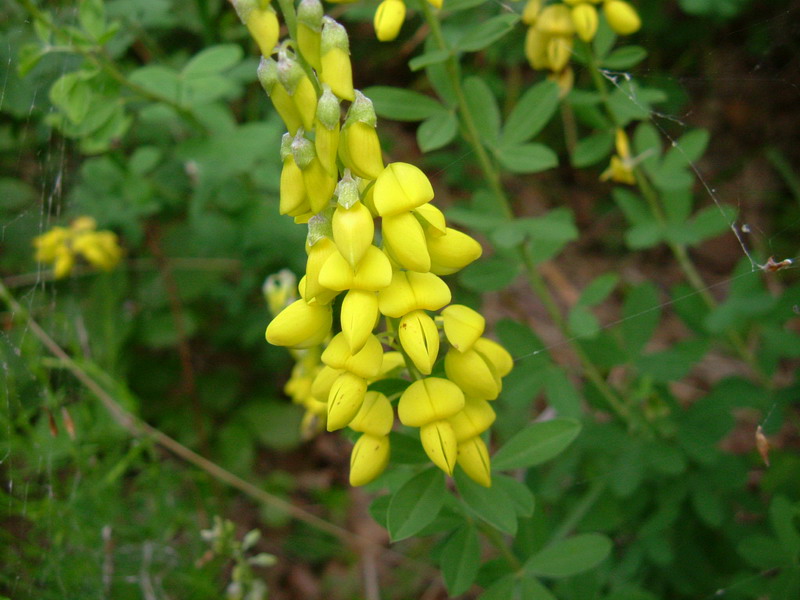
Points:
(144, 115)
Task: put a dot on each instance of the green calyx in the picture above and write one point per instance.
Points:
(319, 226)
(328, 111)
(333, 36)
(361, 110)
(303, 149)
(309, 13)
(267, 74)
(347, 190)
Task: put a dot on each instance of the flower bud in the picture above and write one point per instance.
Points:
(536, 48)
(405, 239)
(366, 363)
(358, 317)
(281, 100)
(318, 253)
(323, 382)
(320, 184)
(309, 28)
(436, 3)
(473, 457)
(300, 325)
(359, 147)
(432, 220)
(439, 442)
(412, 291)
(399, 188)
(280, 290)
(389, 19)
(496, 354)
(420, 340)
(326, 130)
(372, 273)
(555, 20)
(300, 88)
(564, 79)
(452, 251)
(344, 400)
(375, 416)
(336, 69)
(475, 418)
(293, 196)
(584, 16)
(429, 400)
(559, 51)
(261, 22)
(531, 11)
(63, 263)
(353, 230)
(369, 458)
(622, 17)
(462, 326)
(474, 373)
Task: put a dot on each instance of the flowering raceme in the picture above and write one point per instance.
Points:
(62, 246)
(377, 249)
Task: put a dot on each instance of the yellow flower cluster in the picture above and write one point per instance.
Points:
(335, 180)
(552, 29)
(61, 246)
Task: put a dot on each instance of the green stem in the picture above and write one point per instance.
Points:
(579, 511)
(495, 538)
(468, 120)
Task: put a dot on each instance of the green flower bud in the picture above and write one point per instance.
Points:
(462, 326)
(300, 325)
(345, 398)
(353, 231)
(410, 291)
(336, 69)
(420, 340)
(452, 251)
(389, 19)
(347, 192)
(622, 17)
(281, 100)
(309, 28)
(473, 457)
(439, 443)
(372, 273)
(474, 373)
(475, 418)
(405, 239)
(366, 363)
(358, 317)
(375, 417)
(429, 400)
(369, 458)
(399, 188)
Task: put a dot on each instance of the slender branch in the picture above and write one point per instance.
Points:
(579, 511)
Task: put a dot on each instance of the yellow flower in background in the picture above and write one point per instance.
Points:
(61, 246)
(621, 167)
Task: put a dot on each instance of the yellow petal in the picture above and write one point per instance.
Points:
(263, 26)
(494, 352)
(452, 251)
(319, 185)
(323, 382)
(337, 72)
(412, 291)
(473, 457)
(475, 418)
(353, 231)
(462, 326)
(375, 416)
(361, 150)
(318, 254)
(373, 272)
(428, 400)
(584, 16)
(555, 19)
(399, 188)
(365, 363)
(300, 325)
(439, 442)
(622, 17)
(474, 373)
(345, 398)
(293, 197)
(358, 317)
(369, 458)
(420, 340)
(389, 19)
(432, 219)
(405, 238)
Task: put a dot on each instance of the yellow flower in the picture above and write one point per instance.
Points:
(474, 373)
(404, 238)
(475, 418)
(389, 19)
(399, 188)
(345, 399)
(420, 339)
(412, 291)
(61, 246)
(359, 146)
(300, 325)
(280, 290)
(462, 326)
(309, 28)
(366, 363)
(432, 220)
(452, 251)
(336, 69)
(281, 100)
(496, 354)
(584, 16)
(293, 196)
(299, 86)
(358, 317)
(531, 11)
(621, 167)
(373, 272)
(622, 17)
(375, 416)
(473, 457)
(439, 442)
(327, 130)
(428, 400)
(368, 459)
(261, 21)
(319, 184)
(555, 20)
(353, 230)
(318, 254)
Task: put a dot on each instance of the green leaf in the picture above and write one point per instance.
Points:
(490, 504)
(570, 557)
(460, 559)
(644, 235)
(91, 15)
(158, 80)
(402, 105)
(434, 57)
(591, 150)
(624, 58)
(485, 33)
(416, 504)
(73, 95)
(490, 274)
(483, 106)
(599, 289)
(502, 589)
(783, 515)
(710, 222)
(213, 60)
(561, 392)
(527, 158)
(582, 323)
(437, 131)
(457, 5)
(533, 111)
(632, 206)
(641, 313)
(537, 443)
(550, 233)
(519, 493)
(672, 364)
